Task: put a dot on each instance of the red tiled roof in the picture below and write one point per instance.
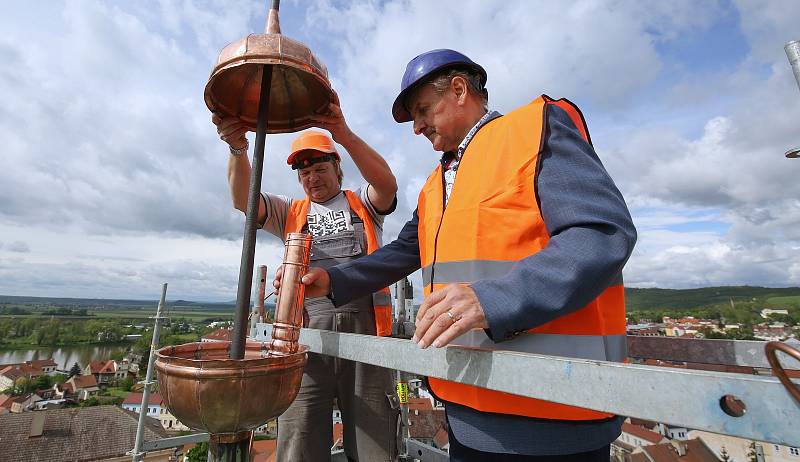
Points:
(84, 381)
(136, 398)
(41, 363)
(642, 433)
(75, 434)
(643, 423)
(102, 367)
(419, 403)
(65, 387)
(18, 371)
(694, 451)
(219, 334)
(441, 438)
(426, 423)
(263, 451)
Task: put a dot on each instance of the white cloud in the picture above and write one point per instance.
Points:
(111, 170)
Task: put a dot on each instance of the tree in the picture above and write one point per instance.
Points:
(198, 453)
(43, 381)
(126, 384)
(92, 401)
(75, 370)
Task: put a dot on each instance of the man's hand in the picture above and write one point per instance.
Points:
(231, 130)
(332, 119)
(447, 313)
(316, 280)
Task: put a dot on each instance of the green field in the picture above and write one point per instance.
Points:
(787, 300)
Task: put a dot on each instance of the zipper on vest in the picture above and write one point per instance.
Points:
(444, 206)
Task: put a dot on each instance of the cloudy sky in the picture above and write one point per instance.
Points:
(112, 179)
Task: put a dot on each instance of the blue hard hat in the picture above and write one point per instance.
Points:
(424, 65)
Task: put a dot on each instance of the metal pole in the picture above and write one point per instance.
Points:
(249, 241)
(137, 453)
(793, 53)
(257, 315)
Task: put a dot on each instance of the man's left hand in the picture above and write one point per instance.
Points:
(447, 313)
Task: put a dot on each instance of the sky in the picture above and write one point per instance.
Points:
(113, 179)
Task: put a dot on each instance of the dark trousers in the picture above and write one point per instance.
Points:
(461, 453)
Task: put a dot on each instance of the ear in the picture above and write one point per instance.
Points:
(459, 87)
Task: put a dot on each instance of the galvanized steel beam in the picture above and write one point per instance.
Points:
(673, 396)
(421, 451)
(746, 353)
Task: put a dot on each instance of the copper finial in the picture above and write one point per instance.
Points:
(299, 84)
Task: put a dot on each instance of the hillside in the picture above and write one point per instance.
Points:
(684, 299)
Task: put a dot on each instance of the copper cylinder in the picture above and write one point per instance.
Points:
(290, 303)
(299, 85)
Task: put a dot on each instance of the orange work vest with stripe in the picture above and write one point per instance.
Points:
(297, 219)
(491, 221)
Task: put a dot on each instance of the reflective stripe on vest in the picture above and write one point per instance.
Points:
(297, 218)
(492, 221)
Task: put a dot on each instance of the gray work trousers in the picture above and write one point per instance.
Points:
(305, 430)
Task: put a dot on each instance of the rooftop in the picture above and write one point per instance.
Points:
(692, 451)
(642, 433)
(136, 398)
(74, 434)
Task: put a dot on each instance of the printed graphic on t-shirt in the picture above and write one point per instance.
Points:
(321, 225)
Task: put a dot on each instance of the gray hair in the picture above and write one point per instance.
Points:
(442, 81)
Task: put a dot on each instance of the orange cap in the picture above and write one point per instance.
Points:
(312, 141)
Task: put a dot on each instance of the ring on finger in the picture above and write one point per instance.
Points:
(452, 317)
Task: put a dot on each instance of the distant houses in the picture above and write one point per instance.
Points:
(219, 335)
(645, 441)
(155, 409)
(77, 388)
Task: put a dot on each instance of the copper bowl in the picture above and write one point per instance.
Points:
(299, 86)
(207, 391)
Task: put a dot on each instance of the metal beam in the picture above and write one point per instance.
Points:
(174, 442)
(673, 396)
(422, 451)
(746, 353)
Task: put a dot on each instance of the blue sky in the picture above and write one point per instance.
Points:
(112, 179)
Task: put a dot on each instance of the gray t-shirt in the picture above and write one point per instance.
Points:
(325, 219)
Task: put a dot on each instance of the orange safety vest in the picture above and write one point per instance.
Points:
(297, 219)
(492, 220)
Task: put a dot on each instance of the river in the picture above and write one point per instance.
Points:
(64, 356)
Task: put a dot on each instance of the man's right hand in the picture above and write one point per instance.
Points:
(231, 130)
(316, 280)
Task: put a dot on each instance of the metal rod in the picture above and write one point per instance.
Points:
(236, 451)
(684, 397)
(249, 241)
(793, 53)
(138, 454)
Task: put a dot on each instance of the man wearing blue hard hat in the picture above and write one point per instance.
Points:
(522, 236)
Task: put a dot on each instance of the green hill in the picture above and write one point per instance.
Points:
(706, 297)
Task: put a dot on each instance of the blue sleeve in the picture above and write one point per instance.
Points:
(379, 269)
(591, 237)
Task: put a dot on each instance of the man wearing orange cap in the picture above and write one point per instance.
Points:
(345, 225)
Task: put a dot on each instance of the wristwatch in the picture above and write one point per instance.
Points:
(241, 151)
